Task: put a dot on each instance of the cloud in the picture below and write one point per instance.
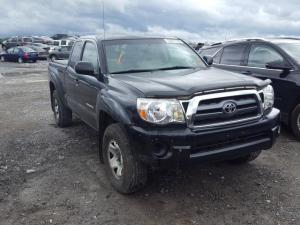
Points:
(190, 19)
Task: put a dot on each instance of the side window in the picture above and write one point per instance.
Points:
(76, 53)
(14, 40)
(63, 42)
(260, 55)
(217, 57)
(233, 54)
(90, 54)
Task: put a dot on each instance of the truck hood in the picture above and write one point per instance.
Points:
(185, 82)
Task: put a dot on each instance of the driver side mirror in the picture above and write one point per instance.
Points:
(279, 65)
(209, 60)
(85, 68)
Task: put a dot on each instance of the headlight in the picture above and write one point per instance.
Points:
(160, 111)
(268, 97)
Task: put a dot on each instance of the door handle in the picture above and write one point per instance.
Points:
(246, 72)
(76, 82)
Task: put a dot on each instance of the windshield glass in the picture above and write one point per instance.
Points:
(293, 49)
(140, 55)
(27, 49)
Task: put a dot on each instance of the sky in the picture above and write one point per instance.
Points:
(192, 20)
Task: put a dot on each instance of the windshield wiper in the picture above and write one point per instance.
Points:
(176, 68)
(131, 71)
(151, 70)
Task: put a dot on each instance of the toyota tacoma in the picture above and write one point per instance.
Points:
(155, 103)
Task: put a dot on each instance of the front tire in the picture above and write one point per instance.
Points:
(124, 170)
(62, 114)
(295, 122)
(245, 159)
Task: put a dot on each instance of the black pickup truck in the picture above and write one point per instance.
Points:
(156, 103)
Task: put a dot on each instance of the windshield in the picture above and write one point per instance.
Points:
(27, 49)
(293, 49)
(140, 55)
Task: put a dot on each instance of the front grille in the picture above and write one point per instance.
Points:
(211, 111)
(225, 108)
(229, 142)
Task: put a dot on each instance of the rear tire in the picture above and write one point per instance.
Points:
(245, 159)
(123, 168)
(295, 122)
(62, 114)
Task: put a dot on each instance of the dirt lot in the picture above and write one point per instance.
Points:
(53, 176)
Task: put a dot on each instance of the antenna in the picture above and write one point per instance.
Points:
(103, 22)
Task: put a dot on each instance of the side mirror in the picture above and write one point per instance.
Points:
(209, 60)
(85, 68)
(279, 65)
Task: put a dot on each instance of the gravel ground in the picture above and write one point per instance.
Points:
(53, 176)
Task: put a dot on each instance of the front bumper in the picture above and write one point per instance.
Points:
(165, 146)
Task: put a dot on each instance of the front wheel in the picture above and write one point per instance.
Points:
(295, 122)
(62, 114)
(245, 159)
(125, 172)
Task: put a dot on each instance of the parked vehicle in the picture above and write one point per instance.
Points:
(62, 36)
(156, 103)
(46, 40)
(12, 42)
(63, 43)
(59, 53)
(19, 54)
(43, 46)
(275, 59)
(42, 53)
(19, 41)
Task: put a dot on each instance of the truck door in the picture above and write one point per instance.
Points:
(89, 86)
(71, 78)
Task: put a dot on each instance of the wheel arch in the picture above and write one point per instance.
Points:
(104, 120)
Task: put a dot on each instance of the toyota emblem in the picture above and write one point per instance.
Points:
(229, 107)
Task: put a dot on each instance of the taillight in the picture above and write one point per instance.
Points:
(26, 55)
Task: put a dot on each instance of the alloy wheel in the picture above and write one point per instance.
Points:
(115, 159)
(298, 121)
(56, 111)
